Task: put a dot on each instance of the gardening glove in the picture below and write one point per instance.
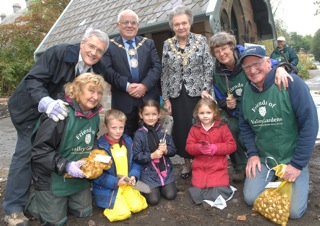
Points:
(73, 169)
(208, 149)
(55, 109)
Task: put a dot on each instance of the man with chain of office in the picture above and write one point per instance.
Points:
(133, 69)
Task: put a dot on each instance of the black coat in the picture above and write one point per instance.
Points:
(118, 72)
(47, 77)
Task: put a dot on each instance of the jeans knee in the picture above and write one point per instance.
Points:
(249, 199)
(296, 214)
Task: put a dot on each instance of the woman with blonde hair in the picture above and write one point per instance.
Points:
(57, 147)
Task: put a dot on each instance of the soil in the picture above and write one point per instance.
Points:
(182, 211)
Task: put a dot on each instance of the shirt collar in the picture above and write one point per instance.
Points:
(81, 66)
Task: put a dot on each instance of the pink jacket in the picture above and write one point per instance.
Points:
(210, 170)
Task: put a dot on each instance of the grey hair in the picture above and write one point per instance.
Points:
(129, 11)
(220, 39)
(102, 36)
(178, 10)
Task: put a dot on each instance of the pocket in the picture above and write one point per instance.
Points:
(21, 107)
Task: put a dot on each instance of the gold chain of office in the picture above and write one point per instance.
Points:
(184, 56)
(132, 52)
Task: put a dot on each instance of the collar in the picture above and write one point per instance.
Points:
(269, 81)
(207, 129)
(81, 66)
(125, 41)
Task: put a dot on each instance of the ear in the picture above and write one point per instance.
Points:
(82, 44)
(118, 25)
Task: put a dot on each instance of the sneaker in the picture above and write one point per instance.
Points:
(238, 176)
(16, 219)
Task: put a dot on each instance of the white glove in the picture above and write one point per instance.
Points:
(73, 169)
(55, 109)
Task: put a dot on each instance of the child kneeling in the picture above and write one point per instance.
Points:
(110, 191)
(209, 141)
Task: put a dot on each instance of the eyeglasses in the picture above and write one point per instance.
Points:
(92, 47)
(256, 65)
(221, 50)
(127, 22)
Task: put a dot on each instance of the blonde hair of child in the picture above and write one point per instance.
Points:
(114, 114)
(74, 89)
(211, 104)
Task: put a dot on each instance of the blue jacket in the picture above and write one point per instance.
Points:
(142, 156)
(105, 187)
(306, 119)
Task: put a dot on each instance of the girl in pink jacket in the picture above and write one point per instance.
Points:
(209, 141)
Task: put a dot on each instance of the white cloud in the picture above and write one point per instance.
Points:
(299, 16)
(6, 5)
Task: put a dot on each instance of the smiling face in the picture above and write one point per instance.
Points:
(92, 50)
(181, 26)
(90, 96)
(115, 129)
(281, 44)
(224, 54)
(257, 69)
(150, 115)
(128, 26)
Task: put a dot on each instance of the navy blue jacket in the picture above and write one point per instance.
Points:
(306, 118)
(105, 187)
(47, 77)
(118, 72)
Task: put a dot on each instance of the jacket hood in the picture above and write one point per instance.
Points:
(278, 51)
(77, 110)
(217, 123)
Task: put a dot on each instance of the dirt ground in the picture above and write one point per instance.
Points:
(182, 211)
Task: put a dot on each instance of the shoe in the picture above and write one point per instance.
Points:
(186, 172)
(16, 219)
(238, 176)
(185, 175)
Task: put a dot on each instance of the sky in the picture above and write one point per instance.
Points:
(298, 15)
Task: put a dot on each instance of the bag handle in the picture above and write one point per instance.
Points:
(266, 163)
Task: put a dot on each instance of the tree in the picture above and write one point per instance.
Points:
(299, 42)
(317, 4)
(316, 45)
(19, 40)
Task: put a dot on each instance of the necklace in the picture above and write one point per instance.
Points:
(184, 56)
(132, 52)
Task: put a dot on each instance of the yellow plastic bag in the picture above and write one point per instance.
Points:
(274, 203)
(95, 164)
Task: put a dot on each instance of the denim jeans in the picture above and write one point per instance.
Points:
(300, 189)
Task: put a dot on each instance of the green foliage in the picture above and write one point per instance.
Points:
(299, 42)
(19, 40)
(305, 64)
(316, 45)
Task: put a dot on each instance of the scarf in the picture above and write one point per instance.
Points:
(153, 142)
